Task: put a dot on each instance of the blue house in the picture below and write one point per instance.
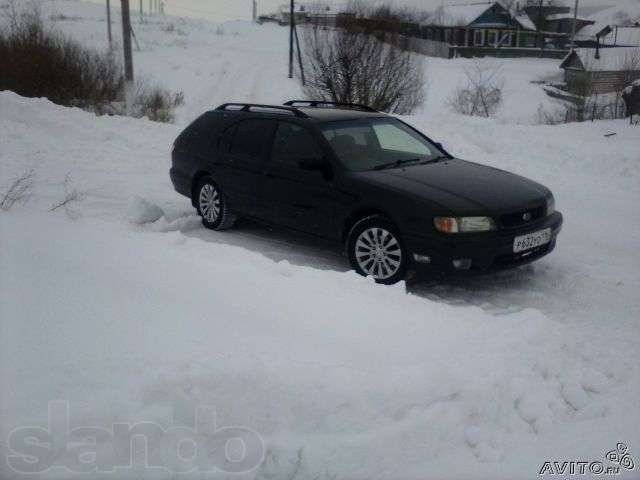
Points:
(483, 24)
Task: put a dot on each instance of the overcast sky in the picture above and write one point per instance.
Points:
(241, 9)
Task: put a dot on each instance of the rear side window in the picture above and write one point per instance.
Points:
(250, 136)
(293, 143)
(200, 133)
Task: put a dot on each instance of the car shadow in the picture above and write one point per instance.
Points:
(498, 292)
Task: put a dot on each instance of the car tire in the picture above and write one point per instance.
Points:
(375, 249)
(212, 205)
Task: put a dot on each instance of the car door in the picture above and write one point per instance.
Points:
(243, 149)
(293, 197)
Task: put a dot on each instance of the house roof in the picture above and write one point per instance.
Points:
(627, 36)
(624, 11)
(525, 21)
(568, 16)
(611, 59)
(464, 14)
(459, 15)
(624, 36)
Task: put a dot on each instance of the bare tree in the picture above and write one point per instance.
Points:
(355, 67)
(18, 191)
(482, 94)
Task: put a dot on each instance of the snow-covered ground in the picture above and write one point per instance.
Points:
(127, 309)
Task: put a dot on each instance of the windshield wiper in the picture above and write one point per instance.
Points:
(396, 163)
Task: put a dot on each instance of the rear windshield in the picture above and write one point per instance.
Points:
(367, 143)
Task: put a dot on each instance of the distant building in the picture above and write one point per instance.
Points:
(479, 25)
(601, 70)
(598, 35)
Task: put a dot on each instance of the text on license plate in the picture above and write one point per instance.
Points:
(531, 240)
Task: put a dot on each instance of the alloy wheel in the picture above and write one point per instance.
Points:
(378, 253)
(209, 202)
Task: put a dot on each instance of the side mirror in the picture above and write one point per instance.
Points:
(313, 164)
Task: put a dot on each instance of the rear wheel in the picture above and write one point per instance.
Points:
(212, 205)
(375, 249)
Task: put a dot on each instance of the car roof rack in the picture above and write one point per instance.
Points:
(248, 107)
(329, 104)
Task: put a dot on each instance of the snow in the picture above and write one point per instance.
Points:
(623, 11)
(525, 21)
(461, 14)
(628, 36)
(610, 59)
(142, 211)
(130, 311)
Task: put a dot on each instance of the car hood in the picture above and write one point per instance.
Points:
(463, 187)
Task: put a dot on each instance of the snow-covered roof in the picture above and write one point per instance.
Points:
(561, 16)
(623, 13)
(629, 36)
(525, 21)
(459, 15)
(610, 59)
(626, 36)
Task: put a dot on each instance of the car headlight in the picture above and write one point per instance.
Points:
(463, 224)
(551, 205)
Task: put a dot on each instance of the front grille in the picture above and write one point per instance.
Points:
(522, 217)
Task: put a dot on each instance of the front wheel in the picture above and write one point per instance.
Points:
(375, 249)
(212, 206)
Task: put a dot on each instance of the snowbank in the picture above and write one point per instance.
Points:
(145, 327)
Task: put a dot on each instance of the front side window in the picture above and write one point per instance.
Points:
(366, 144)
(293, 143)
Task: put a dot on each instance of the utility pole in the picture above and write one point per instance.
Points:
(295, 30)
(255, 10)
(573, 28)
(541, 25)
(140, 8)
(126, 41)
(291, 27)
(109, 37)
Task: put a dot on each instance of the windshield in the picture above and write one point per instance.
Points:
(371, 143)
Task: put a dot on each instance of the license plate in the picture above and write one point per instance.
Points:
(531, 240)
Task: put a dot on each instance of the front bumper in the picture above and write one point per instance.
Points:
(488, 251)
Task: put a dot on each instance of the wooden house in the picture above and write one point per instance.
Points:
(477, 25)
(589, 71)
